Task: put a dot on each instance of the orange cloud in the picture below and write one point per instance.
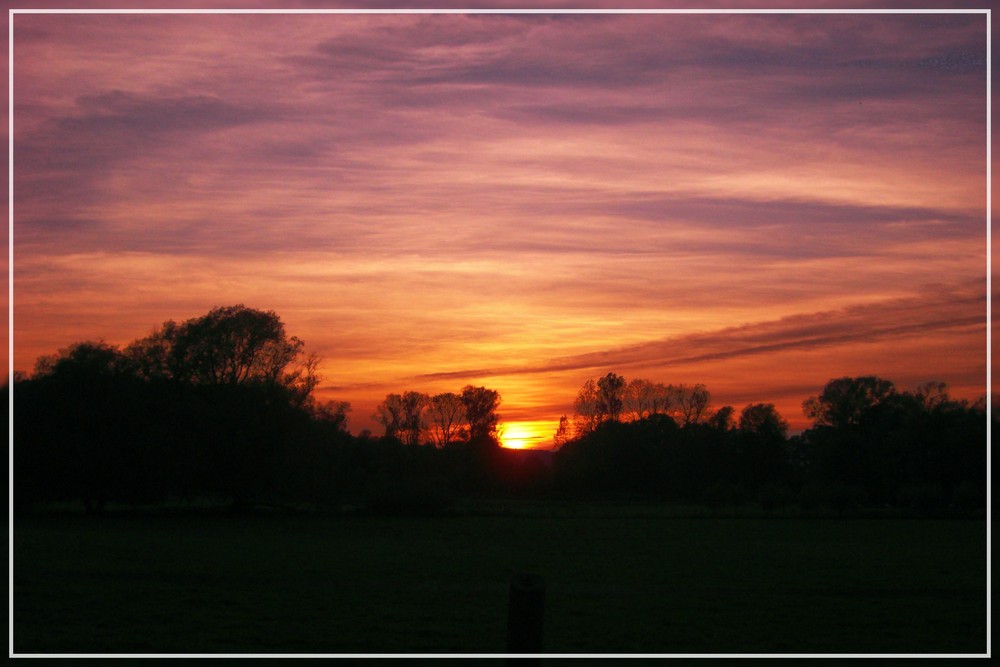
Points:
(759, 203)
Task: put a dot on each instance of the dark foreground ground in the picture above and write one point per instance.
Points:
(618, 581)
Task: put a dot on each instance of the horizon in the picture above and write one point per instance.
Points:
(527, 436)
(758, 203)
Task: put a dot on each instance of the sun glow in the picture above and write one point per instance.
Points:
(525, 435)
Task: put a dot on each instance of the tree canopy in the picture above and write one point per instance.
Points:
(229, 345)
(844, 401)
(222, 405)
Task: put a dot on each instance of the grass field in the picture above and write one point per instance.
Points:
(617, 581)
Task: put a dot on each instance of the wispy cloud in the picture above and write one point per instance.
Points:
(436, 197)
(940, 310)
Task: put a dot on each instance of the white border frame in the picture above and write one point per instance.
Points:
(10, 317)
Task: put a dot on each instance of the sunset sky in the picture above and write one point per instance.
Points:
(759, 203)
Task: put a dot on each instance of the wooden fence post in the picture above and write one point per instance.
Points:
(525, 614)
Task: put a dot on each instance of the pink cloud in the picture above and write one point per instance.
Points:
(422, 195)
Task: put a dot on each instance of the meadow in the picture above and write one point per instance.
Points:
(620, 579)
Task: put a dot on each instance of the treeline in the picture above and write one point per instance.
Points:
(870, 446)
(441, 420)
(223, 407)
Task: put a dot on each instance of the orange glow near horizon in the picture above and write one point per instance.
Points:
(512, 201)
(527, 435)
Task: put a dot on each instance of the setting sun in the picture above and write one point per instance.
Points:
(526, 435)
(353, 331)
(684, 248)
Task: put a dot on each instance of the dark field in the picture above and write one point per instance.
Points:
(619, 581)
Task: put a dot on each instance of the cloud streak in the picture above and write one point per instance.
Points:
(428, 198)
(863, 323)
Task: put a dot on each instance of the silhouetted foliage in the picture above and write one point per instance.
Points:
(845, 401)
(228, 346)
(207, 407)
(722, 419)
(644, 398)
(610, 389)
(221, 406)
(871, 447)
(88, 428)
(612, 398)
(481, 414)
(562, 434)
(693, 403)
(920, 450)
(446, 416)
(762, 452)
(333, 413)
(761, 420)
(586, 415)
(402, 415)
(603, 400)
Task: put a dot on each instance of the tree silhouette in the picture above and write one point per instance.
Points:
(586, 409)
(762, 420)
(84, 414)
(933, 395)
(643, 398)
(333, 413)
(221, 406)
(414, 425)
(722, 419)
(610, 390)
(692, 403)
(844, 401)
(445, 416)
(402, 415)
(389, 413)
(85, 359)
(481, 412)
(600, 401)
(229, 345)
(562, 434)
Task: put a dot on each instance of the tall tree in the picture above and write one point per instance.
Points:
(610, 394)
(402, 415)
(722, 419)
(88, 418)
(599, 401)
(229, 345)
(643, 398)
(844, 401)
(586, 409)
(562, 434)
(692, 403)
(389, 413)
(445, 417)
(481, 412)
(332, 412)
(414, 422)
(763, 420)
(89, 358)
(933, 395)
(152, 355)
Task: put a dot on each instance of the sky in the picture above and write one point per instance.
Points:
(759, 203)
